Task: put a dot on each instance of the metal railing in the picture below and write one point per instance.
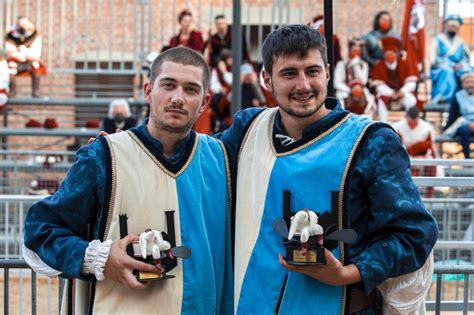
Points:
(437, 305)
(19, 265)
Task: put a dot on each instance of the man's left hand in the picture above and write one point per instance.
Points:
(332, 273)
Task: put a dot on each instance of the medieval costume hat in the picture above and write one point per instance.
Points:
(390, 43)
(318, 20)
(453, 18)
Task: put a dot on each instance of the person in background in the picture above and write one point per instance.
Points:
(461, 115)
(119, 117)
(449, 58)
(4, 80)
(318, 24)
(222, 39)
(353, 68)
(417, 135)
(372, 50)
(252, 96)
(187, 36)
(393, 80)
(23, 45)
(359, 100)
(220, 86)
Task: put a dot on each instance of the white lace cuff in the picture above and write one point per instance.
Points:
(96, 256)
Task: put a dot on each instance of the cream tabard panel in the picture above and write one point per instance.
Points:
(143, 191)
(256, 161)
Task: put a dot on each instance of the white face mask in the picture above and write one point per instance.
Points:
(470, 91)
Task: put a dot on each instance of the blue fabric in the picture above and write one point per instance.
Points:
(74, 205)
(465, 134)
(55, 227)
(203, 286)
(290, 172)
(445, 79)
(396, 232)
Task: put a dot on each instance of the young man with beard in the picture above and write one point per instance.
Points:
(158, 170)
(331, 161)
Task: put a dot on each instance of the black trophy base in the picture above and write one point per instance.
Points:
(143, 276)
(313, 257)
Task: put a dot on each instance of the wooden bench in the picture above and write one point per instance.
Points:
(442, 139)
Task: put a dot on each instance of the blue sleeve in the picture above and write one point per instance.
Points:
(56, 228)
(232, 136)
(400, 233)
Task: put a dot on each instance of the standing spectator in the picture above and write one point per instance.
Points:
(222, 39)
(382, 26)
(119, 117)
(318, 24)
(346, 71)
(449, 59)
(393, 80)
(23, 46)
(187, 36)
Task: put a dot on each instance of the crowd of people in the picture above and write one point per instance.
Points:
(375, 78)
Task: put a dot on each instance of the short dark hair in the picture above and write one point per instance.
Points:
(219, 16)
(184, 56)
(413, 112)
(289, 40)
(183, 13)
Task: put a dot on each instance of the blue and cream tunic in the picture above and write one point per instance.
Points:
(311, 172)
(144, 185)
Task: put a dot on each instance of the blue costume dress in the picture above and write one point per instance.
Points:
(377, 197)
(195, 179)
(445, 53)
(466, 110)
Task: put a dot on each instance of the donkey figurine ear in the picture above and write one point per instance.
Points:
(280, 227)
(347, 236)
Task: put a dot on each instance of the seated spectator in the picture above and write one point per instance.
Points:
(318, 24)
(372, 50)
(359, 100)
(393, 80)
(23, 45)
(416, 134)
(220, 86)
(346, 71)
(187, 36)
(119, 117)
(252, 96)
(449, 57)
(222, 39)
(463, 112)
